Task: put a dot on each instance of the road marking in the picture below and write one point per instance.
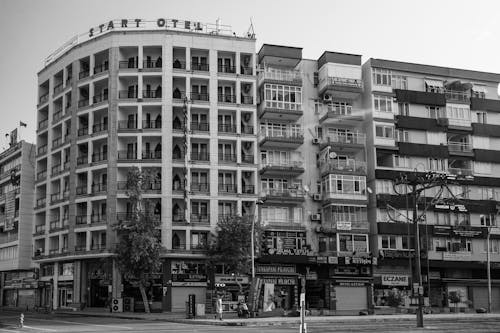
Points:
(39, 328)
(87, 324)
(6, 330)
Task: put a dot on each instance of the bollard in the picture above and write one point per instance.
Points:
(21, 320)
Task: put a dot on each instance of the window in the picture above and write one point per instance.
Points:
(384, 186)
(408, 243)
(401, 161)
(399, 82)
(343, 184)
(433, 112)
(481, 117)
(348, 213)
(404, 109)
(353, 243)
(402, 136)
(482, 168)
(436, 164)
(382, 103)
(494, 246)
(382, 131)
(487, 219)
(198, 239)
(489, 193)
(458, 112)
(459, 245)
(388, 242)
(283, 97)
(340, 108)
(381, 77)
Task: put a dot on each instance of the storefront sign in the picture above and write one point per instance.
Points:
(283, 281)
(441, 230)
(456, 256)
(344, 225)
(322, 260)
(358, 261)
(350, 283)
(456, 208)
(275, 269)
(395, 280)
(289, 252)
(396, 254)
(189, 278)
(188, 284)
(228, 279)
(333, 260)
(469, 232)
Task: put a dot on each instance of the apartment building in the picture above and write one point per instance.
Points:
(426, 118)
(18, 284)
(177, 98)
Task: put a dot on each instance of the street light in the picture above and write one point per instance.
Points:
(252, 238)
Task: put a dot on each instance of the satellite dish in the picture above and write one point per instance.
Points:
(369, 190)
(306, 188)
(332, 154)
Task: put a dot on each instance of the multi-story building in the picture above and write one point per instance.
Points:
(18, 283)
(177, 98)
(444, 120)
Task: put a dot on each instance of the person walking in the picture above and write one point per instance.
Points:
(218, 307)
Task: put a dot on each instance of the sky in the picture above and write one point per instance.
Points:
(458, 33)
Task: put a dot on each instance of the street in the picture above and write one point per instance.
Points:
(64, 323)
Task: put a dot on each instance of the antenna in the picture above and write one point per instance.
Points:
(251, 31)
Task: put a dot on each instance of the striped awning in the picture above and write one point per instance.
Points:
(434, 83)
(480, 89)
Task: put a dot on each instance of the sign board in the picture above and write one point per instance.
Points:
(344, 225)
(283, 281)
(454, 208)
(228, 279)
(394, 280)
(275, 269)
(396, 254)
(333, 260)
(456, 255)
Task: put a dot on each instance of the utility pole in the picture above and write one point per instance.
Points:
(488, 265)
(420, 309)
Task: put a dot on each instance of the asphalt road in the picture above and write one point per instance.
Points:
(61, 323)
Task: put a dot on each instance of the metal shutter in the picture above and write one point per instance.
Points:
(351, 298)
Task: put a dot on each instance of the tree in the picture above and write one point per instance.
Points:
(138, 250)
(394, 298)
(231, 244)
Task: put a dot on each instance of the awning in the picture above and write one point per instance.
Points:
(479, 89)
(434, 83)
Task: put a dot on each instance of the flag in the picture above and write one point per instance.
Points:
(22, 124)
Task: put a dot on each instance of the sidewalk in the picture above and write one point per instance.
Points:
(180, 317)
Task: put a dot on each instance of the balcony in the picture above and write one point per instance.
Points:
(223, 98)
(99, 188)
(100, 98)
(280, 76)
(151, 155)
(195, 66)
(58, 225)
(43, 124)
(199, 218)
(461, 172)
(83, 131)
(247, 159)
(345, 196)
(151, 125)
(457, 96)
(58, 88)
(290, 138)
(280, 110)
(178, 94)
(227, 158)
(99, 157)
(177, 64)
(41, 175)
(9, 237)
(284, 223)
(127, 126)
(43, 99)
(39, 230)
(447, 119)
(125, 64)
(83, 74)
(346, 115)
(127, 155)
(152, 94)
(344, 140)
(460, 148)
(228, 189)
(203, 97)
(97, 218)
(81, 219)
(226, 128)
(339, 87)
(99, 128)
(98, 247)
(200, 187)
(200, 156)
(282, 168)
(58, 114)
(127, 94)
(248, 130)
(55, 198)
(83, 103)
(128, 216)
(283, 195)
(247, 100)
(334, 226)
(82, 159)
(40, 203)
(101, 68)
(81, 190)
(152, 187)
(226, 69)
(200, 126)
(57, 142)
(246, 70)
(42, 150)
(56, 169)
(248, 189)
(350, 166)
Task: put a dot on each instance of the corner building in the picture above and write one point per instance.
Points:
(179, 102)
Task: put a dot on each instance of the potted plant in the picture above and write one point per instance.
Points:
(395, 299)
(454, 297)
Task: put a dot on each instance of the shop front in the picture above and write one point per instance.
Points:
(233, 289)
(20, 289)
(184, 277)
(99, 279)
(279, 287)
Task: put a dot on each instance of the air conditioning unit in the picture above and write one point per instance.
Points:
(316, 217)
(117, 305)
(316, 197)
(315, 141)
(327, 98)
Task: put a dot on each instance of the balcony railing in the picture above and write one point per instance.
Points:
(127, 124)
(246, 99)
(283, 164)
(83, 103)
(101, 68)
(227, 158)
(40, 229)
(178, 94)
(83, 159)
(344, 82)
(282, 134)
(222, 98)
(459, 147)
(152, 63)
(97, 128)
(98, 247)
(284, 193)
(43, 124)
(83, 131)
(226, 69)
(44, 98)
(460, 171)
(127, 94)
(195, 96)
(127, 216)
(56, 169)
(245, 129)
(57, 116)
(99, 188)
(228, 188)
(249, 159)
(99, 157)
(151, 155)
(41, 175)
(97, 218)
(226, 128)
(460, 96)
(195, 66)
(344, 166)
(152, 186)
(81, 219)
(151, 124)
(200, 126)
(127, 155)
(199, 218)
(246, 70)
(100, 98)
(178, 64)
(200, 187)
(127, 64)
(81, 190)
(57, 142)
(151, 93)
(41, 202)
(347, 138)
(83, 74)
(198, 156)
(248, 189)
(58, 88)
(281, 75)
(42, 149)
(55, 197)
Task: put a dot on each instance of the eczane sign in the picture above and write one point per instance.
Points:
(394, 280)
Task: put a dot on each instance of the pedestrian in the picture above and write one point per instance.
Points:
(218, 307)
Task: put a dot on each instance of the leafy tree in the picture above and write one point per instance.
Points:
(394, 298)
(231, 244)
(138, 250)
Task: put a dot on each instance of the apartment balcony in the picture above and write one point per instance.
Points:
(98, 248)
(80, 248)
(447, 120)
(152, 94)
(179, 95)
(246, 129)
(56, 169)
(9, 237)
(103, 97)
(247, 159)
(101, 68)
(128, 216)
(226, 69)
(125, 64)
(127, 94)
(195, 66)
(98, 218)
(82, 160)
(223, 98)
(199, 97)
(460, 149)
(99, 128)
(43, 99)
(283, 195)
(248, 189)
(152, 187)
(332, 227)
(345, 196)
(99, 188)
(280, 76)
(58, 225)
(81, 219)
(199, 218)
(344, 115)
(226, 128)
(200, 188)
(227, 158)
(99, 157)
(42, 150)
(200, 157)
(127, 155)
(457, 96)
(43, 124)
(56, 198)
(58, 114)
(57, 142)
(349, 167)
(151, 156)
(461, 172)
(228, 189)
(83, 103)
(39, 230)
(83, 74)
(200, 126)
(83, 131)
(282, 168)
(152, 65)
(177, 64)
(41, 175)
(290, 138)
(248, 100)
(151, 125)
(287, 224)
(127, 126)
(246, 70)
(280, 110)
(58, 88)
(351, 141)
(339, 87)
